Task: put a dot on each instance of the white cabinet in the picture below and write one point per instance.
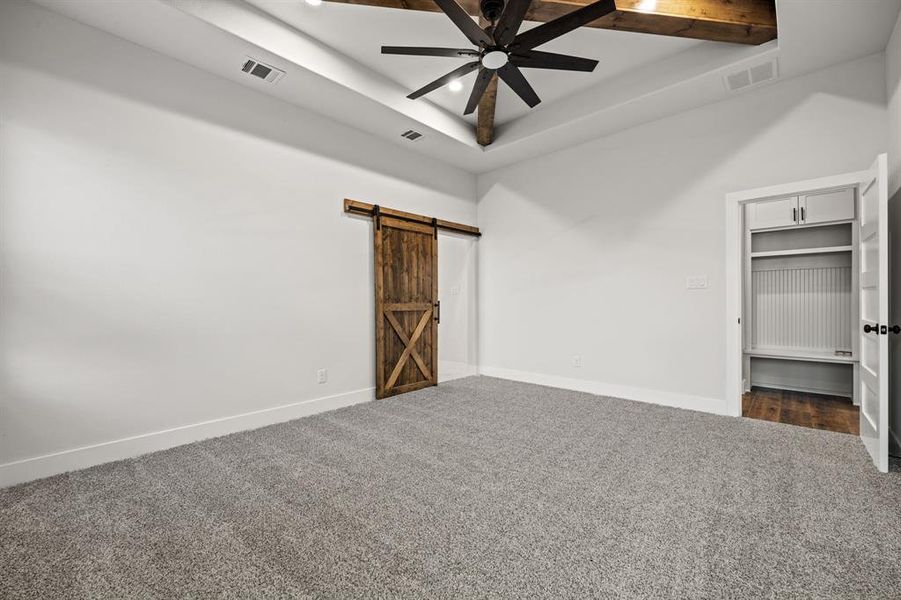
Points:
(806, 209)
(823, 207)
(782, 212)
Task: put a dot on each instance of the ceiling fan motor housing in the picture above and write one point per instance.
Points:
(496, 42)
(492, 9)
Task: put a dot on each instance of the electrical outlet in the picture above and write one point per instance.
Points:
(322, 376)
(577, 361)
(697, 282)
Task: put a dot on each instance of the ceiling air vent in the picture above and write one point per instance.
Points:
(267, 73)
(411, 135)
(752, 76)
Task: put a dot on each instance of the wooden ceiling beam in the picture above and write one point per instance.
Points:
(737, 21)
(487, 106)
(485, 124)
(750, 22)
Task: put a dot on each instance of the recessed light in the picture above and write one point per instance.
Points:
(455, 86)
(313, 2)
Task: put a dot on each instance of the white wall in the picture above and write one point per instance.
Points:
(893, 84)
(173, 249)
(587, 250)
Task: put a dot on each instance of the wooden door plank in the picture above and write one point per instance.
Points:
(408, 225)
(408, 387)
(406, 306)
(379, 310)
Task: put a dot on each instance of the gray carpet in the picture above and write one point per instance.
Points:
(479, 488)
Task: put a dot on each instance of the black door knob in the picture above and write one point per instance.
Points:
(871, 329)
(896, 329)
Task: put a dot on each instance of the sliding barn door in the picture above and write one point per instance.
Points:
(406, 306)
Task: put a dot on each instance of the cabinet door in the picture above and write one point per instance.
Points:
(782, 212)
(827, 206)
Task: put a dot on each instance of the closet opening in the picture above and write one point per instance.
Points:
(800, 310)
(807, 305)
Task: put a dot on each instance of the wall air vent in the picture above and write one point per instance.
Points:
(411, 135)
(267, 73)
(752, 76)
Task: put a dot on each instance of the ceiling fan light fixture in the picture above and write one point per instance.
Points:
(494, 59)
(313, 2)
(455, 86)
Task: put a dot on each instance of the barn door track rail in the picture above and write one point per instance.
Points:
(375, 211)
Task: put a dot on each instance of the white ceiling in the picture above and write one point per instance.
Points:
(333, 64)
(360, 31)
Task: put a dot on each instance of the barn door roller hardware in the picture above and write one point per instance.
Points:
(377, 212)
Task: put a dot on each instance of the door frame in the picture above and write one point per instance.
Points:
(735, 202)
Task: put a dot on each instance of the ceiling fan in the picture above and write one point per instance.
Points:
(503, 50)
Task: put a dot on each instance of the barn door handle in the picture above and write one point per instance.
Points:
(438, 312)
(871, 328)
(794, 215)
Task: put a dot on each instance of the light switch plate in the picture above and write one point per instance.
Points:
(696, 282)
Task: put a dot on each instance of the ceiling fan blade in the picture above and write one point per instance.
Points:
(441, 81)
(534, 59)
(508, 25)
(562, 25)
(513, 77)
(465, 23)
(424, 51)
(478, 89)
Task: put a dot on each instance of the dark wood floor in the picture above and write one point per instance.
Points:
(831, 413)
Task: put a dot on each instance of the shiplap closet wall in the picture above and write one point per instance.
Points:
(801, 308)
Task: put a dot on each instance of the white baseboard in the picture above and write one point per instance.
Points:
(38, 467)
(599, 388)
(449, 370)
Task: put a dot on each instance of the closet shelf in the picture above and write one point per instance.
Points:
(803, 251)
(806, 355)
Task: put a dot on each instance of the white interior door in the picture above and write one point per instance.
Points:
(874, 364)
